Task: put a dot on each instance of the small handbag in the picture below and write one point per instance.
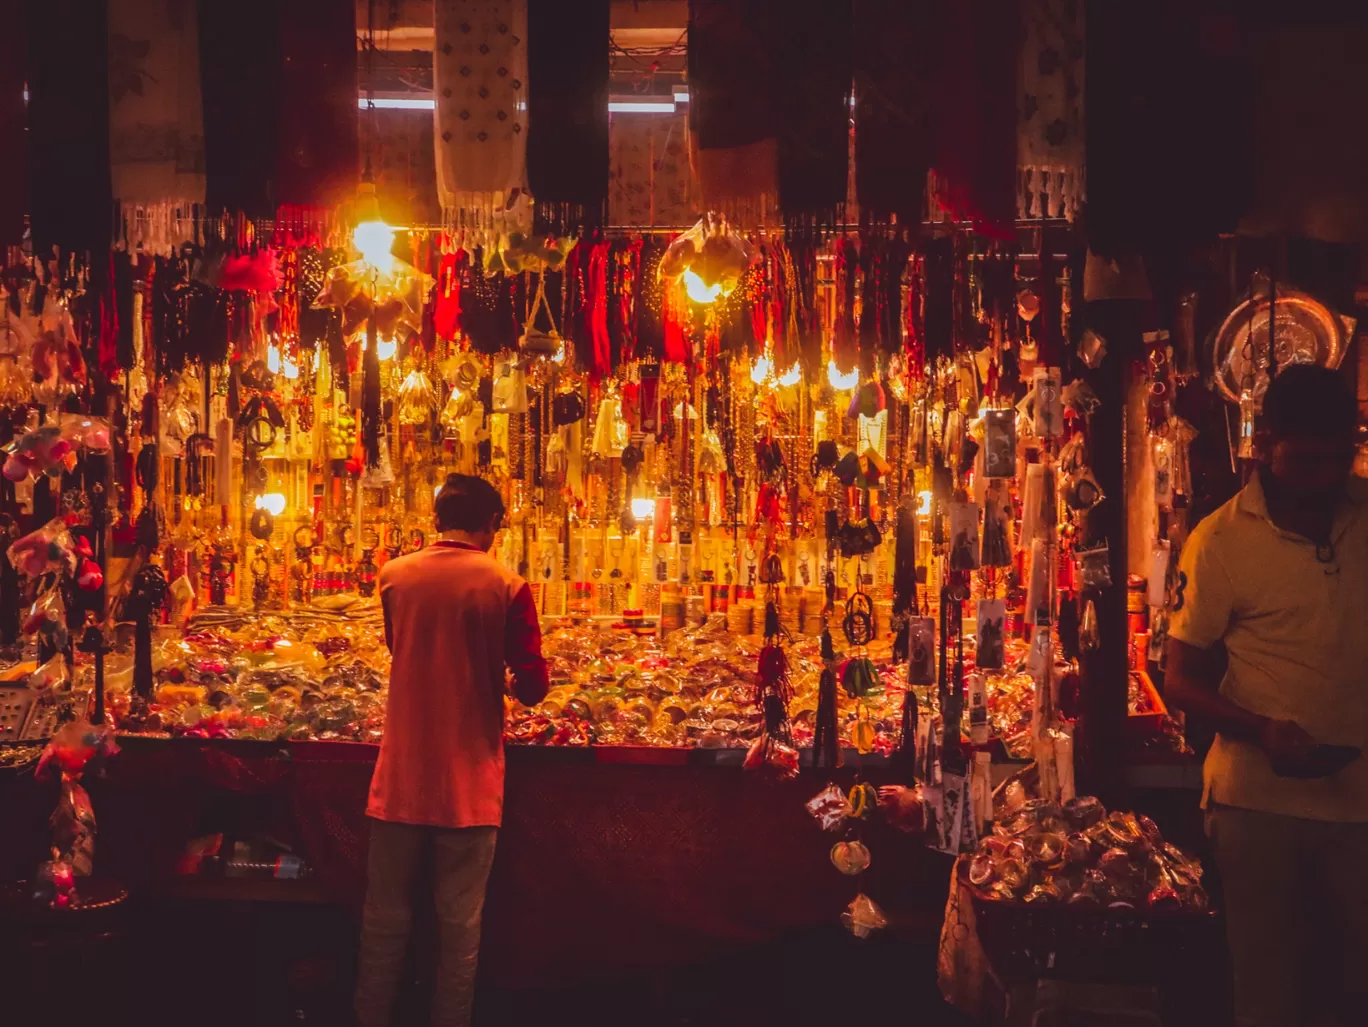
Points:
(567, 408)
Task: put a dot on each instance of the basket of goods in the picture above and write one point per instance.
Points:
(1070, 890)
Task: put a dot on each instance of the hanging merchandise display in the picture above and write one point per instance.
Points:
(1050, 85)
(156, 121)
(480, 75)
(810, 490)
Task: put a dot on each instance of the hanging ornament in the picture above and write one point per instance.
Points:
(862, 917)
(850, 858)
(710, 259)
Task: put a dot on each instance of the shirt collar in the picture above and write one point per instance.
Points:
(447, 543)
(1253, 501)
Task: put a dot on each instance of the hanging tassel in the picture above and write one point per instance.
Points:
(370, 396)
(904, 574)
(904, 758)
(773, 629)
(148, 425)
(826, 740)
(144, 600)
(774, 748)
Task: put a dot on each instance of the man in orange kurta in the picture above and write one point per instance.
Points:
(454, 619)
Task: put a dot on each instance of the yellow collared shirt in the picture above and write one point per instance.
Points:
(1295, 629)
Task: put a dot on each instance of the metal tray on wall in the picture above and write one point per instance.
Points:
(1307, 332)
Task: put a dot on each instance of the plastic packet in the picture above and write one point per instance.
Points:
(40, 451)
(850, 857)
(1094, 567)
(47, 618)
(862, 917)
(91, 432)
(51, 676)
(47, 550)
(829, 808)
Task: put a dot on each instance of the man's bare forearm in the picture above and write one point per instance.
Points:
(1192, 683)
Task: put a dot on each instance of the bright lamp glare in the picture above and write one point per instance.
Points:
(761, 370)
(698, 291)
(643, 508)
(791, 377)
(289, 368)
(375, 239)
(272, 502)
(923, 503)
(842, 382)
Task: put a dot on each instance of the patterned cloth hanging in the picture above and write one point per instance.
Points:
(567, 112)
(156, 121)
(317, 165)
(239, 54)
(14, 168)
(813, 83)
(892, 60)
(649, 179)
(1050, 110)
(68, 123)
(480, 78)
(973, 177)
(732, 119)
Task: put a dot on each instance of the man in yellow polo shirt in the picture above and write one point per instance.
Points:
(1268, 640)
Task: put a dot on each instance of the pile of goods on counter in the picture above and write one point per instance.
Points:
(1077, 853)
(314, 674)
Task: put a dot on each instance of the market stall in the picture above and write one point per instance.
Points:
(820, 496)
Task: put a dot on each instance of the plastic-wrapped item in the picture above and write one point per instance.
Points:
(829, 808)
(863, 917)
(850, 857)
(51, 676)
(40, 451)
(91, 432)
(47, 550)
(46, 618)
(713, 254)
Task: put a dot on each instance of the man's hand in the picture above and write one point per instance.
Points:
(1285, 742)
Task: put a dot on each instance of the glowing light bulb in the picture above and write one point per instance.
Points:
(792, 376)
(643, 508)
(842, 382)
(273, 359)
(272, 502)
(923, 503)
(698, 291)
(375, 239)
(761, 369)
(386, 348)
(289, 368)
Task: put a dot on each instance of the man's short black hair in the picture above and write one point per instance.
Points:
(466, 503)
(1307, 401)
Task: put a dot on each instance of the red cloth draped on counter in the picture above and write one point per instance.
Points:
(599, 865)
